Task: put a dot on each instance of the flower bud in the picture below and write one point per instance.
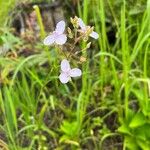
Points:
(82, 59)
(74, 22)
(88, 45)
(70, 34)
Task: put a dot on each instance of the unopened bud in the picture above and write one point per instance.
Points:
(82, 59)
(85, 38)
(74, 22)
(70, 34)
(88, 45)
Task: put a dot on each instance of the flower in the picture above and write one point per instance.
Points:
(57, 36)
(85, 29)
(74, 22)
(67, 72)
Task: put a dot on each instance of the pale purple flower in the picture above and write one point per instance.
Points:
(84, 29)
(67, 72)
(57, 36)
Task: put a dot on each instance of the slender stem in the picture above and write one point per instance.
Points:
(40, 22)
(124, 58)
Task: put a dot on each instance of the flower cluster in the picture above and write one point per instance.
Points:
(58, 37)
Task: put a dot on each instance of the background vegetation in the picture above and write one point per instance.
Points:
(109, 108)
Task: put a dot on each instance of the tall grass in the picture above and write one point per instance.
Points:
(5, 9)
(109, 105)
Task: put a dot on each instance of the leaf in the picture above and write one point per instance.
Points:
(140, 96)
(67, 140)
(130, 143)
(124, 129)
(144, 129)
(138, 120)
(69, 128)
(1, 41)
(139, 133)
(131, 114)
(63, 138)
(143, 144)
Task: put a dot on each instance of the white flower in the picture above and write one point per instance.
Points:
(57, 36)
(67, 72)
(85, 28)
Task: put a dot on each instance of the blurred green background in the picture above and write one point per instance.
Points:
(108, 108)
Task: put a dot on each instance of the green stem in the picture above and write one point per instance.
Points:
(124, 57)
(40, 22)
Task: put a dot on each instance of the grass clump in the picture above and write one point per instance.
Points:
(107, 109)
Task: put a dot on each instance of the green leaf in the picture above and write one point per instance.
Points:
(63, 138)
(144, 129)
(139, 133)
(124, 129)
(130, 143)
(69, 128)
(143, 144)
(1, 41)
(138, 120)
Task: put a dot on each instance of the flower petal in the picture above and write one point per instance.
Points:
(61, 39)
(75, 72)
(94, 35)
(81, 23)
(49, 40)
(60, 27)
(64, 78)
(65, 66)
